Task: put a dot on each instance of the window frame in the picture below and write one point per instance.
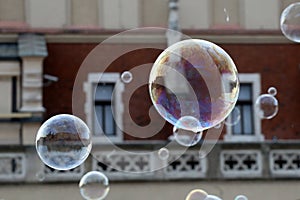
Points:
(11, 71)
(90, 88)
(255, 80)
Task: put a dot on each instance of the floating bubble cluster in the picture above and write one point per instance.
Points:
(234, 117)
(187, 131)
(94, 185)
(196, 194)
(126, 77)
(266, 105)
(194, 78)
(163, 153)
(290, 22)
(63, 142)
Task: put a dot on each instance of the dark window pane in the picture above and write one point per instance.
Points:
(237, 128)
(104, 121)
(247, 120)
(104, 92)
(244, 103)
(98, 125)
(245, 92)
(109, 121)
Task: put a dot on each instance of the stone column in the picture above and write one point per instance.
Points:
(32, 50)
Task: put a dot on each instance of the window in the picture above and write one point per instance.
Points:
(9, 98)
(244, 105)
(160, 18)
(9, 85)
(84, 14)
(248, 127)
(120, 14)
(44, 13)
(104, 107)
(198, 14)
(12, 11)
(225, 13)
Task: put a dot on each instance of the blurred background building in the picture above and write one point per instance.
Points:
(44, 43)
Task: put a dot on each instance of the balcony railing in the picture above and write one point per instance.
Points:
(267, 160)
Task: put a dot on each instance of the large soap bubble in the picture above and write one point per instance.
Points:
(194, 78)
(63, 142)
(290, 22)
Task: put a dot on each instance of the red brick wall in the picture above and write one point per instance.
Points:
(277, 64)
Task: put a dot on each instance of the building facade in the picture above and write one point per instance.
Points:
(67, 57)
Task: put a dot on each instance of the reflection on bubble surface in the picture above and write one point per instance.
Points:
(63, 142)
(194, 78)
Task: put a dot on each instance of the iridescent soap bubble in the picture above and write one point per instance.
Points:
(196, 194)
(266, 106)
(212, 197)
(163, 153)
(233, 118)
(63, 142)
(272, 91)
(290, 22)
(186, 131)
(94, 185)
(126, 77)
(194, 78)
(240, 197)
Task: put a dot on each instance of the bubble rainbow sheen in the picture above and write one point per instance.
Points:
(194, 78)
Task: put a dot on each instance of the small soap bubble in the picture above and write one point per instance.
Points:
(189, 123)
(186, 138)
(40, 176)
(126, 77)
(196, 194)
(63, 142)
(290, 22)
(266, 106)
(241, 197)
(94, 185)
(272, 91)
(194, 78)
(234, 117)
(163, 153)
(186, 131)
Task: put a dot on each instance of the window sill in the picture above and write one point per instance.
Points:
(244, 138)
